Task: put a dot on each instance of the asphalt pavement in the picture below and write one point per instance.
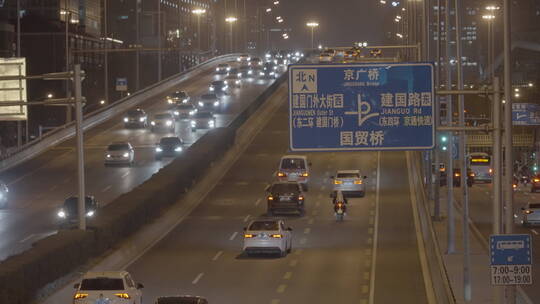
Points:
(38, 187)
(370, 257)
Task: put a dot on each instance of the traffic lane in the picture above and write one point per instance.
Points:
(104, 183)
(481, 208)
(204, 250)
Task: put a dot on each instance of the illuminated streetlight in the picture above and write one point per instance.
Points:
(493, 8)
(399, 35)
(198, 12)
(312, 25)
(50, 95)
(488, 17)
(268, 10)
(231, 20)
(276, 2)
(383, 1)
(530, 84)
(102, 102)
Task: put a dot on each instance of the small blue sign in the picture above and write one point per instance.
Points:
(525, 114)
(355, 107)
(121, 84)
(510, 249)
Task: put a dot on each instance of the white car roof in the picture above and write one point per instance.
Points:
(294, 156)
(106, 274)
(348, 171)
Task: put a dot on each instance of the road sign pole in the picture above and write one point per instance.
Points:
(80, 148)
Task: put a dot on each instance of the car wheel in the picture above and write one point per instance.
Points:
(290, 247)
(362, 194)
(283, 253)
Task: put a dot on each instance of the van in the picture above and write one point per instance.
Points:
(294, 168)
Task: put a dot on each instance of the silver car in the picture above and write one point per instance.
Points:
(349, 182)
(119, 153)
(203, 120)
(531, 214)
(163, 121)
(294, 168)
(267, 236)
(184, 111)
(209, 101)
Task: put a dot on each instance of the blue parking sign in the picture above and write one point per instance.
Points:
(511, 259)
(352, 107)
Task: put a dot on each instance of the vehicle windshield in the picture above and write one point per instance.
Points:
(102, 284)
(264, 225)
(209, 96)
(118, 147)
(179, 94)
(72, 204)
(185, 107)
(348, 175)
(218, 83)
(163, 116)
(134, 113)
(284, 188)
(534, 206)
(169, 141)
(292, 163)
(223, 65)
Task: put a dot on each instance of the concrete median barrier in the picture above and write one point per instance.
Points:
(23, 275)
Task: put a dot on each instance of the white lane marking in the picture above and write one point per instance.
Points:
(197, 278)
(106, 188)
(27, 238)
(53, 187)
(287, 275)
(428, 284)
(233, 236)
(303, 241)
(293, 263)
(375, 232)
(323, 187)
(298, 251)
(217, 256)
(311, 220)
(257, 202)
(274, 301)
(307, 230)
(246, 218)
(125, 174)
(534, 231)
(281, 288)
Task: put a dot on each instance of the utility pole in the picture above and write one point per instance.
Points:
(106, 58)
(436, 186)
(159, 38)
(137, 40)
(77, 79)
(510, 293)
(451, 229)
(19, 125)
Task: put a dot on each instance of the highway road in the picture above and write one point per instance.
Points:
(38, 187)
(372, 255)
(480, 203)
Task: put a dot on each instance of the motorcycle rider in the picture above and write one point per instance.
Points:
(339, 198)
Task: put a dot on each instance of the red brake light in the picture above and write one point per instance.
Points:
(270, 198)
(281, 174)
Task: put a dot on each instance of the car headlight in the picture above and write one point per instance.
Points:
(141, 119)
(272, 73)
(238, 81)
(108, 156)
(267, 55)
(185, 100)
(90, 213)
(275, 61)
(261, 73)
(126, 119)
(216, 103)
(201, 104)
(178, 149)
(153, 123)
(275, 67)
(239, 75)
(225, 81)
(228, 69)
(248, 59)
(211, 123)
(224, 88)
(211, 88)
(158, 149)
(176, 113)
(217, 69)
(193, 123)
(168, 122)
(250, 72)
(126, 155)
(169, 100)
(191, 112)
(61, 213)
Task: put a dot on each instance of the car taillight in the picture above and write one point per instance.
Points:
(358, 182)
(340, 205)
(529, 211)
(490, 170)
(281, 174)
(305, 174)
(457, 174)
(270, 198)
(536, 180)
(122, 295)
(337, 182)
(80, 296)
(301, 198)
(248, 235)
(277, 236)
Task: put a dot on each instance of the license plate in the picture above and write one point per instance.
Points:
(340, 211)
(284, 198)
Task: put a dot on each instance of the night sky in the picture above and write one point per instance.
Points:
(340, 21)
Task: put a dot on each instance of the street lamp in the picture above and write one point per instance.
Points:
(312, 25)
(489, 18)
(199, 12)
(231, 20)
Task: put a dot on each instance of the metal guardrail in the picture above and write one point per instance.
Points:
(99, 116)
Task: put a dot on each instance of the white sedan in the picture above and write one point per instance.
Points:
(349, 182)
(267, 236)
(111, 287)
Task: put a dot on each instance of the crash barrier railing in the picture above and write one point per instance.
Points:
(99, 116)
(22, 276)
(437, 269)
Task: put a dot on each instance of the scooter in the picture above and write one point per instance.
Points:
(339, 210)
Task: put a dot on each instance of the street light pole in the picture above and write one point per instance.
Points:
(159, 38)
(231, 20)
(106, 55)
(199, 12)
(77, 79)
(312, 25)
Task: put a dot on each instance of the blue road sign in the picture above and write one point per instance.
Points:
(510, 249)
(525, 114)
(121, 84)
(511, 259)
(352, 107)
